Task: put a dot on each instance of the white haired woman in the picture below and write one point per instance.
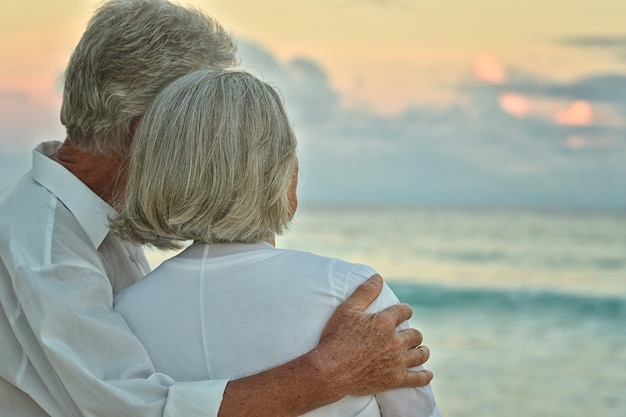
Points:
(214, 161)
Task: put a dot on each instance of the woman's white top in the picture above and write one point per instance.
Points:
(224, 311)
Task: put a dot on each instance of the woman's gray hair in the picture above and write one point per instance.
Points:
(212, 161)
(130, 51)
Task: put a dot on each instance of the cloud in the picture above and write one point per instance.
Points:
(595, 41)
(498, 145)
(488, 69)
(303, 83)
(613, 44)
(607, 88)
(579, 113)
(515, 104)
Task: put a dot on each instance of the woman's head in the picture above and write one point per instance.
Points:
(130, 50)
(212, 161)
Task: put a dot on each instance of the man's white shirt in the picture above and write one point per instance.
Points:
(64, 351)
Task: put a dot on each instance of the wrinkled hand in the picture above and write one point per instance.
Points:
(364, 353)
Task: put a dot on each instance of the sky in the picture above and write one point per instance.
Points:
(486, 103)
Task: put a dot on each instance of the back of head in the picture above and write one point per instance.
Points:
(212, 161)
(130, 51)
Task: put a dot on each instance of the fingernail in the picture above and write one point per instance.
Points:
(376, 279)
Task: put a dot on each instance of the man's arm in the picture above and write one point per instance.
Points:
(358, 354)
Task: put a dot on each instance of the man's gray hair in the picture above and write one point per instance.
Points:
(130, 51)
(212, 161)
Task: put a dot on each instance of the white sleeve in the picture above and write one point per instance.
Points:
(73, 354)
(195, 398)
(401, 402)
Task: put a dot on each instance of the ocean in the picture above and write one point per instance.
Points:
(524, 311)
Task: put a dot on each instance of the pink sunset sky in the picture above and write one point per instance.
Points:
(455, 82)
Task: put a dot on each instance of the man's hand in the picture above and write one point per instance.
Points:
(358, 354)
(362, 353)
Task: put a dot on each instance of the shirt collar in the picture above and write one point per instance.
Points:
(89, 209)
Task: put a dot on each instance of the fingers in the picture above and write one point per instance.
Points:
(417, 357)
(417, 378)
(398, 313)
(365, 293)
(411, 338)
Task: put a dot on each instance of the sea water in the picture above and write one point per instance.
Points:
(524, 311)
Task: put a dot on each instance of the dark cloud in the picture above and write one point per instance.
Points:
(612, 44)
(604, 88)
(303, 83)
(591, 41)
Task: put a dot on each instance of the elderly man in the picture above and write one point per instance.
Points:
(65, 352)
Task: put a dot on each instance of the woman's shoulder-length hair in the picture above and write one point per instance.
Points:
(211, 161)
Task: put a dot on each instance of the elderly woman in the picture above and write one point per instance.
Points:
(214, 161)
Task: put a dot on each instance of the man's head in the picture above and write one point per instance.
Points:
(130, 51)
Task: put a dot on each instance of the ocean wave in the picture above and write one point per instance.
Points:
(494, 301)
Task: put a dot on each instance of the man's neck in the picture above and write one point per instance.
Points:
(104, 175)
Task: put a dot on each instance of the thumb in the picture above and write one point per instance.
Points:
(365, 293)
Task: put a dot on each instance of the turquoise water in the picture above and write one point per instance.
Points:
(525, 312)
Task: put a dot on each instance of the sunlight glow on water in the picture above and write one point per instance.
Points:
(566, 251)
